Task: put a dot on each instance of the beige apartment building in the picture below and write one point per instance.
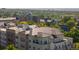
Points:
(18, 36)
(38, 38)
(12, 32)
(45, 38)
(22, 40)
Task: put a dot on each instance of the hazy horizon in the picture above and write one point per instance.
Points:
(51, 9)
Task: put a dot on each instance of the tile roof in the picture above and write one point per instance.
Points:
(46, 30)
(16, 29)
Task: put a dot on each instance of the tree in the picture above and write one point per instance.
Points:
(11, 47)
(42, 16)
(42, 24)
(74, 33)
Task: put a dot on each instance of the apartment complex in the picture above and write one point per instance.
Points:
(45, 38)
(35, 38)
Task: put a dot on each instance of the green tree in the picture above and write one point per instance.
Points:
(11, 47)
(41, 16)
(41, 24)
(74, 33)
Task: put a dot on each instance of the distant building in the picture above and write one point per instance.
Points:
(45, 20)
(36, 19)
(77, 20)
(64, 27)
(55, 21)
(8, 19)
(42, 20)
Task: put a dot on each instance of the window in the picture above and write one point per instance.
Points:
(55, 47)
(29, 46)
(35, 35)
(29, 40)
(16, 37)
(68, 45)
(22, 39)
(37, 42)
(16, 42)
(22, 46)
(59, 47)
(33, 48)
(40, 42)
(27, 36)
(33, 41)
(45, 42)
(63, 46)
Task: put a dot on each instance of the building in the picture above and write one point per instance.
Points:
(45, 38)
(11, 24)
(36, 19)
(33, 26)
(64, 27)
(18, 36)
(8, 19)
(42, 20)
(22, 40)
(45, 20)
(36, 38)
(12, 32)
(55, 21)
(3, 38)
